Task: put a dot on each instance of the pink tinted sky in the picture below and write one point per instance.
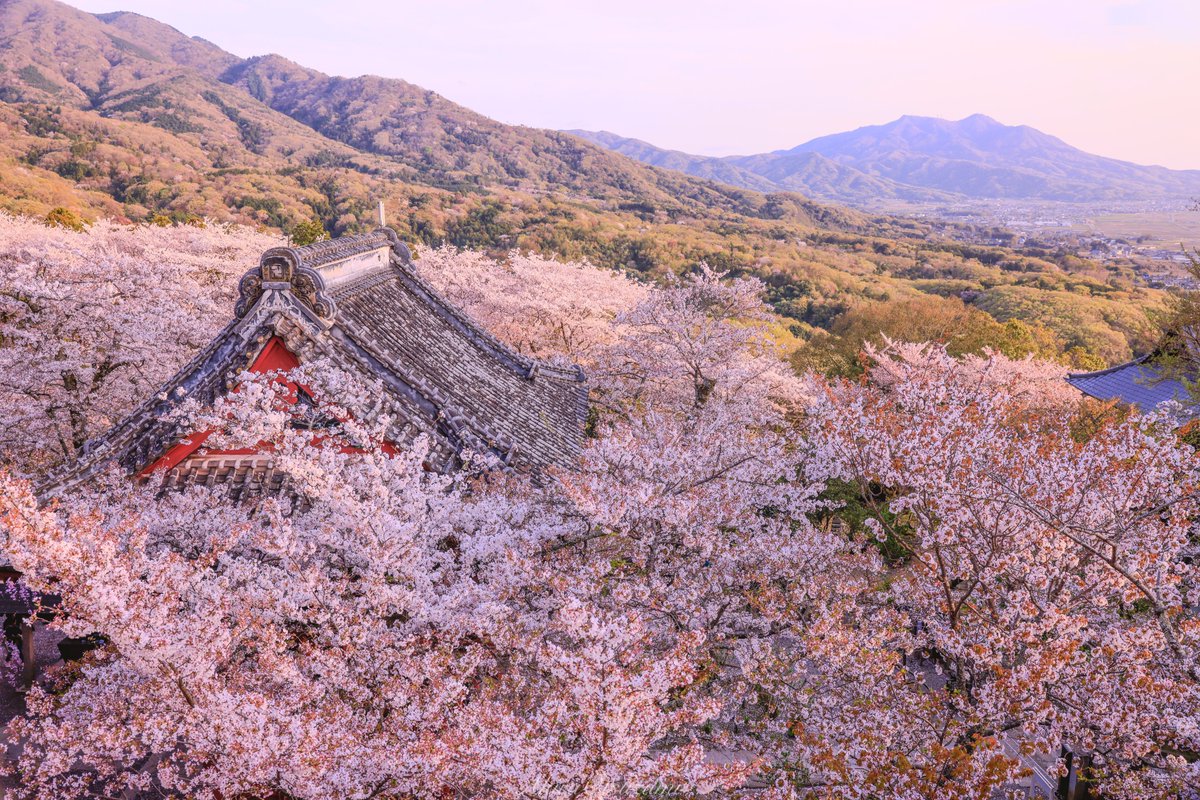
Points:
(1114, 77)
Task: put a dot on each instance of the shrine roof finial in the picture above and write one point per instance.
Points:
(312, 271)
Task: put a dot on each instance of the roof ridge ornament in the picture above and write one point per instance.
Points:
(282, 268)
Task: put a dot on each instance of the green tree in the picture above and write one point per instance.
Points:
(949, 321)
(482, 226)
(65, 218)
(308, 232)
(1177, 353)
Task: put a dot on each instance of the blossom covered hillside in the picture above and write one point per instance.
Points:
(752, 583)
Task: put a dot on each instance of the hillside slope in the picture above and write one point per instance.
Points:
(117, 115)
(717, 169)
(808, 173)
(126, 67)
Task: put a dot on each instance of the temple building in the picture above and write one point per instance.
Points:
(358, 303)
(1139, 383)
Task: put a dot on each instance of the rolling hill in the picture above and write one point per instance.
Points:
(120, 116)
(268, 111)
(924, 159)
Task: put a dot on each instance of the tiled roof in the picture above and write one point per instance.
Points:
(358, 302)
(1138, 382)
(511, 403)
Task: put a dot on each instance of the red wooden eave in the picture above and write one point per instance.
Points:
(274, 357)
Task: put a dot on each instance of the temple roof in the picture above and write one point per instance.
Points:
(358, 302)
(1138, 382)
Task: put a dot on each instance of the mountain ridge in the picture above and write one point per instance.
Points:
(122, 117)
(247, 113)
(929, 159)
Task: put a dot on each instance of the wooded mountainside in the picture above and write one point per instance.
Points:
(119, 116)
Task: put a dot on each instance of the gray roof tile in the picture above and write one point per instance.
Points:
(1137, 382)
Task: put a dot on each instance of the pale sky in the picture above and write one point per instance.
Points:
(1118, 78)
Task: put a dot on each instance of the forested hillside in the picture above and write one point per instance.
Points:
(122, 117)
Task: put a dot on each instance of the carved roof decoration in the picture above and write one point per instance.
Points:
(358, 302)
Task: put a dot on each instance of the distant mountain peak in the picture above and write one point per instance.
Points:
(922, 158)
(982, 120)
(110, 17)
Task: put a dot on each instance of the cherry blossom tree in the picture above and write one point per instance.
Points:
(541, 307)
(1046, 581)
(695, 508)
(381, 631)
(1024, 381)
(688, 340)
(91, 323)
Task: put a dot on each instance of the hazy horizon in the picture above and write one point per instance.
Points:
(703, 77)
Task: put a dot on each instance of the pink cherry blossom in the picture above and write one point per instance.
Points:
(751, 584)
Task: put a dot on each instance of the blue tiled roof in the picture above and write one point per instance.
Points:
(1137, 383)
